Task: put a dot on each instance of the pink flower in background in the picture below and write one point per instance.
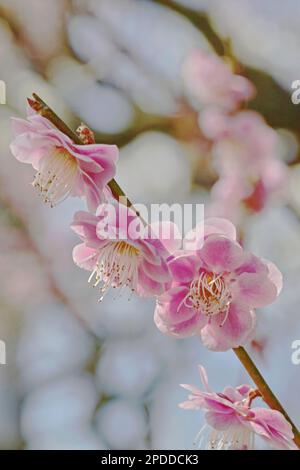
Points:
(215, 288)
(232, 423)
(210, 80)
(246, 159)
(63, 168)
(120, 252)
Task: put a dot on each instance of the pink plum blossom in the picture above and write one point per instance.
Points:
(216, 287)
(120, 251)
(63, 168)
(210, 80)
(232, 422)
(246, 159)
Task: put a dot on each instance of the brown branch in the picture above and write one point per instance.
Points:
(266, 393)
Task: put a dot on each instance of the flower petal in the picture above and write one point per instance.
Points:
(221, 226)
(272, 426)
(254, 290)
(194, 239)
(236, 330)
(173, 317)
(181, 329)
(252, 264)
(156, 272)
(147, 287)
(184, 268)
(274, 275)
(204, 378)
(221, 254)
(85, 257)
(221, 421)
(168, 234)
(84, 225)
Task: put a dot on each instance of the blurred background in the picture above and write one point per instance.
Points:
(85, 375)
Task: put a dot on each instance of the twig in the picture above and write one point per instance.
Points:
(266, 393)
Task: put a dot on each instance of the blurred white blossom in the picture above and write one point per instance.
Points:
(62, 405)
(122, 424)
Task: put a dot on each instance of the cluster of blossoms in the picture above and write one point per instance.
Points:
(244, 147)
(232, 422)
(204, 284)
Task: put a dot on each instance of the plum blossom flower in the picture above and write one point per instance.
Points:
(63, 168)
(216, 287)
(210, 80)
(120, 252)
(232, 422)
(247, 161)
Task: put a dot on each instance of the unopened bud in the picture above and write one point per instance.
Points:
(35, 105)
(85, 134)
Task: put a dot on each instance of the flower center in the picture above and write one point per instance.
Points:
(56, 176)
(210, 294)
(117, 266)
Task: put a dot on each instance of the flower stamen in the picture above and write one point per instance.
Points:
(210, 294)
(117, 267)
(56, 176)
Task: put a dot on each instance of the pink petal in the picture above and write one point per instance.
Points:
(217, 404)
(221, 421)
(94, 193)
(159, 273)
(272, 426)
(173, 317)
(184, 268)
(254, 290)
(84, 225)
(252, 264)
(182, 329)
(204, 378)
(85, 257)
(190, 405)
(242, 89)
(221, 254)
(194, 239)
(168, 234)
(19, 126)
(191, 388)
(275, 275)
(99, 152)
(29, 148)
(232, 394)
(243, 389)
(118, 221)
(149, 251)
(236, 330)
(218, 225)
(148, 287)
(172, 306)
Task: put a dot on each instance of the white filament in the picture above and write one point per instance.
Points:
(117, 266)
(56, 176)
(210, 294)
(234, 438)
